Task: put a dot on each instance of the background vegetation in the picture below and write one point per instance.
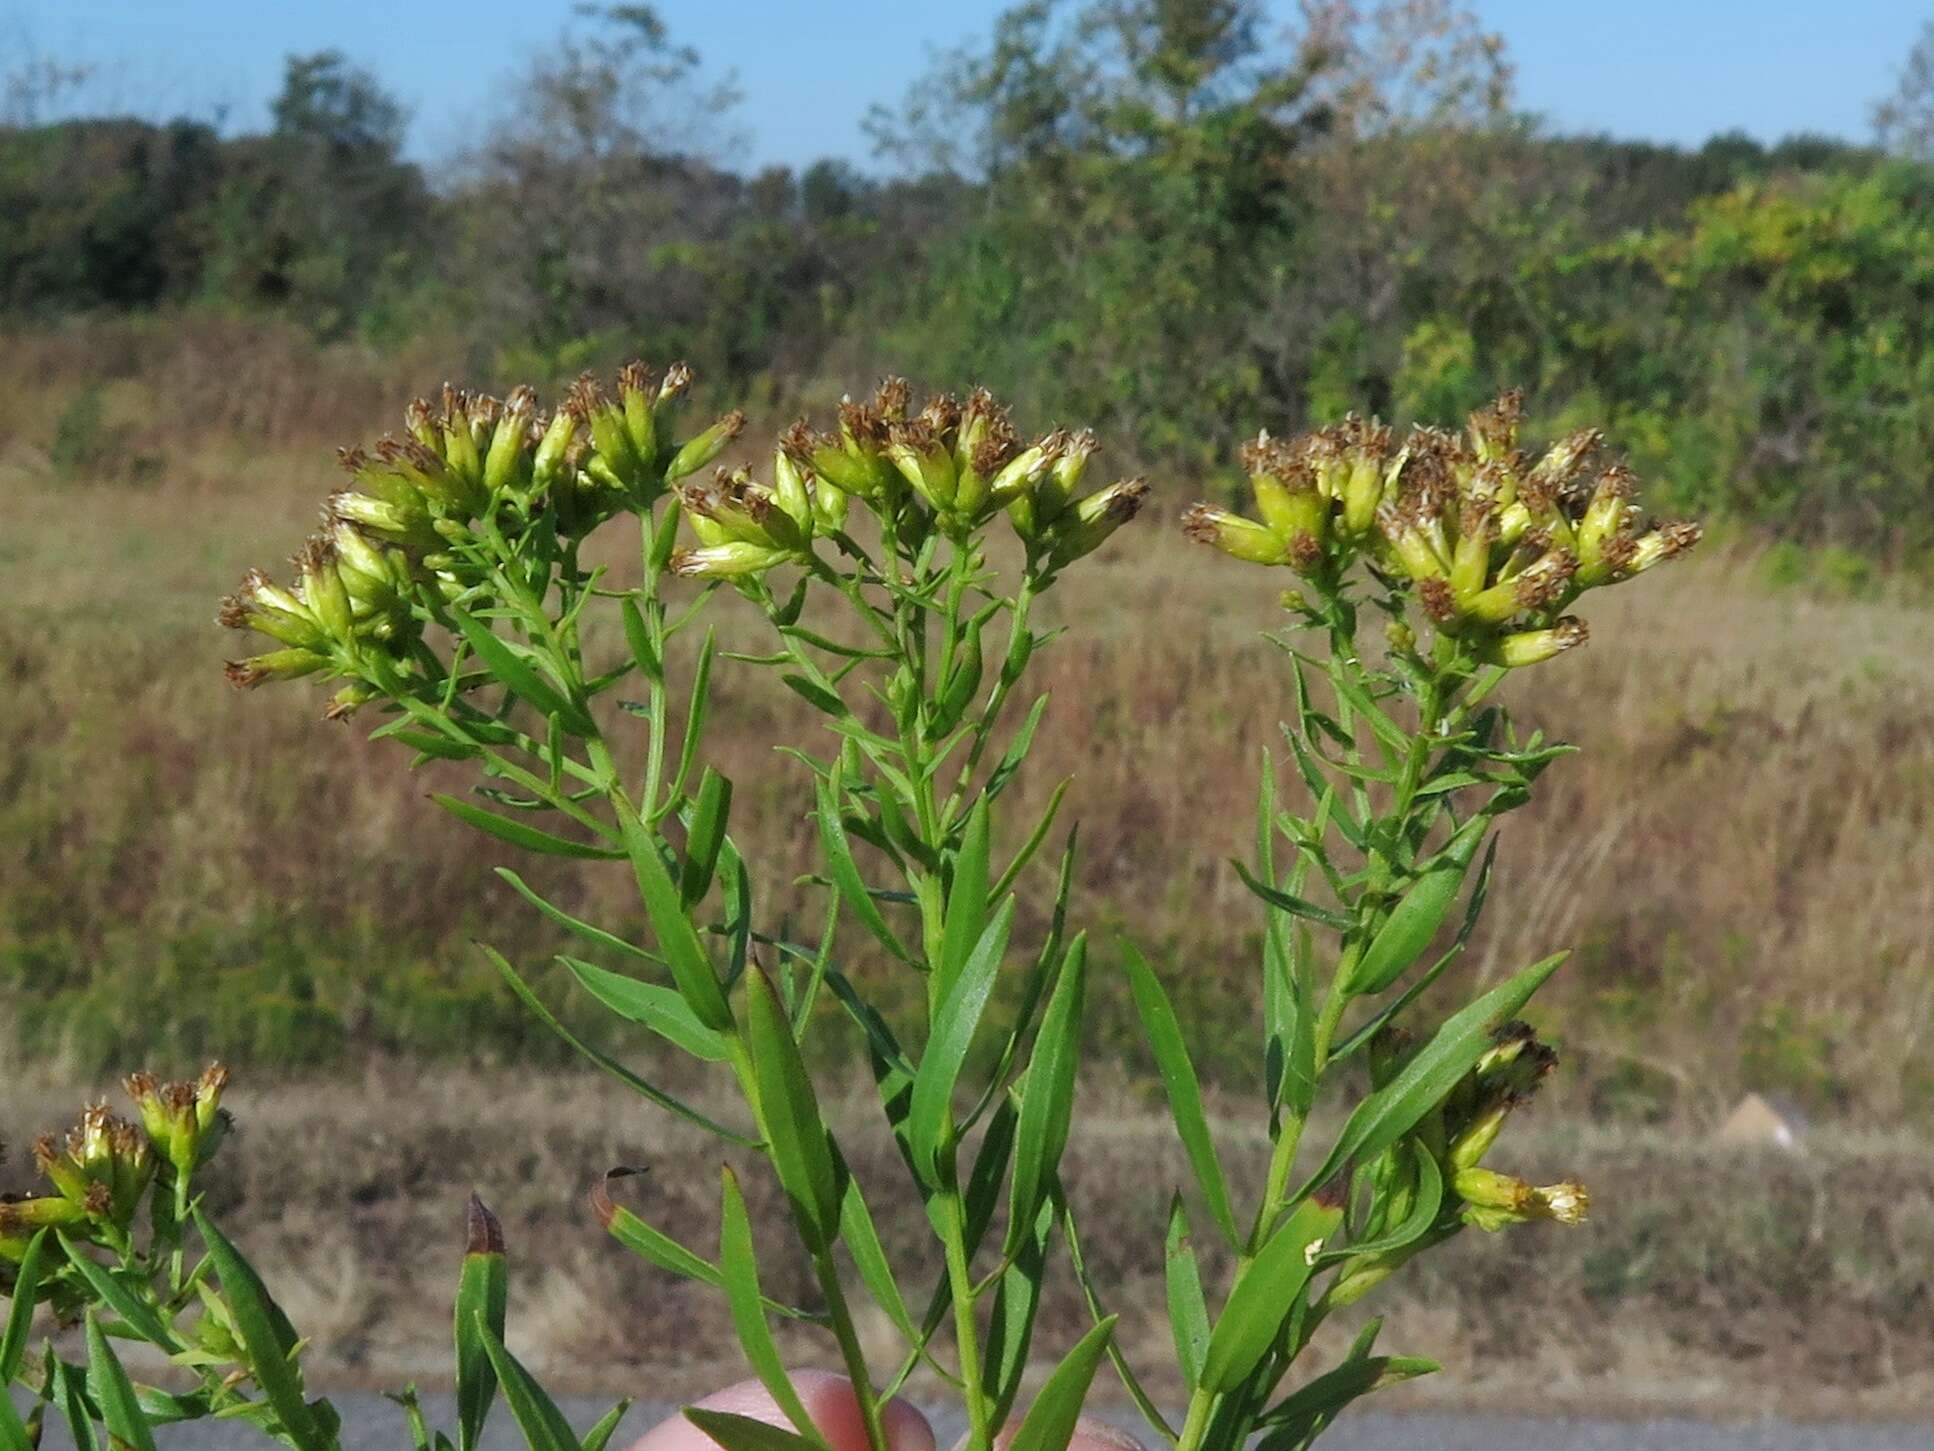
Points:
(1164, 219)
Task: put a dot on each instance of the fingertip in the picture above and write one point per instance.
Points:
(829, 1400)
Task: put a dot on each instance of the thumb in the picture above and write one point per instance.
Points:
(1089, 1435)
(829, 1401)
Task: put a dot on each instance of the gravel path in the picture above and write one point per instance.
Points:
(374, 1424)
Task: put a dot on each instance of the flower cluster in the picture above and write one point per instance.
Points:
(947, 467)
(1456, 1135)
(98, 1172)
(1491, 547)
(96, 1177)
(1503, 1079)
(475, 483)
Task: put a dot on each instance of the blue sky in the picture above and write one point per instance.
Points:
(1672, 70)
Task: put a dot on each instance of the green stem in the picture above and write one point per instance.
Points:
(849, 1348)
(966, 1333)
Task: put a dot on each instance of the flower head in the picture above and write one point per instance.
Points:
(1487, 548)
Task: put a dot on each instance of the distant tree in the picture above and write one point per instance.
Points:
(326, 101)
(1904, 121)
(319, 216)
(603, 162)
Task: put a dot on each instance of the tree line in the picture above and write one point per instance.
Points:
(1170, 218)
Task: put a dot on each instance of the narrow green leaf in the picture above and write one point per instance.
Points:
(113, 1392)
(427, 743)
(519, 675)
(521, 834)
(645, 1240)
(1449, 781)
(1017, 1300)
(605, 1061)
(966, 915)
(1188, 1311)
(846, 873)
(691, 967)
(597, 936)
(826, 702)
(931, 1119)
(599, 1436)
(736, 892)
(1017, 749)
(704, 837)
(1473, 909)
(14, 1435)
(639, 639)
(1263, 1296)
(1183, 1089)
(862, 1240)
(258, 1324)
(660, 1009)
(1050, 1421)
(1144, 1402)
(1386, 730)
(1310, 1407)
(1296, 906)
(536, 1414)
(1035, 839)
(1413, 922)
(1393, 1110)
(796, 1136)
(739, 1264)
(1047, 1099)
(70, 1393)
(742, 1433)
(20, 1310)
(696, 707)
(482, 1296)
(1427, 1200)
(109, 1289)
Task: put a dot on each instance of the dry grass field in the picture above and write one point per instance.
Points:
(1740, 854)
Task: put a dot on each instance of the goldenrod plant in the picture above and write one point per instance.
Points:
(1472, 553)
(896, 555)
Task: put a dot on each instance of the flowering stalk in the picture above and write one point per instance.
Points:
(920, 797)
(451, 592)
(1473, 554)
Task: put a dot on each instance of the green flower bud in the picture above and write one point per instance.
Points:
(1494, 429)
(924, 461)
(790, 492)
(1532, 647)
(1493, 1200)
(829, 508)
(1234, 535)
(615, 458)
(548, 462)
(733, 560)
(637, 393)
(1541, 586)
(275, 665)
(506, 464)
(323, 592)
(697, 452)
(266, 608)
(1666, 542)
(1092, 520)
(101, 1171)
(734, 508)
(1604, 517)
